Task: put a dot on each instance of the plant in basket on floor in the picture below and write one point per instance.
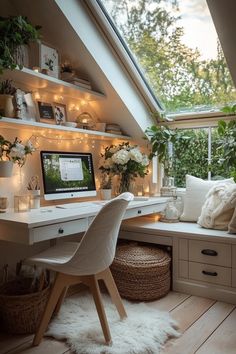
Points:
(126, 161)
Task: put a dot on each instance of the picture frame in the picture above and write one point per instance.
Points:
(46, 112)
(46, 58)
(60, 113)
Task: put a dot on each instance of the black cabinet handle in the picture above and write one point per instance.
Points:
(209, 252)
(61, 231)
(213, 274)
(139, 211)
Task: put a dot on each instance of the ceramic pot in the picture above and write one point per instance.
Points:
(6, 106)
(106, 194)
(6, 168)
(34, 198)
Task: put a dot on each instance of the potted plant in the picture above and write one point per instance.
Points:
(7, 90)
(105, 186)
(16, 32)
(162, 139)
(13, 152)
(226, 144)
(126, 161)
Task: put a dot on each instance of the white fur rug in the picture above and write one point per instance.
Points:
(143, 332)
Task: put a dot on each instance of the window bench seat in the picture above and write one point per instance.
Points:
(203, 260)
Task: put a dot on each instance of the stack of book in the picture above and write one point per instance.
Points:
(113, 129)
(80, 82)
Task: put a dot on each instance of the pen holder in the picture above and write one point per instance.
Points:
(34, 198)
(21, 203)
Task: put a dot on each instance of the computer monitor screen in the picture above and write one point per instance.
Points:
(67, 175)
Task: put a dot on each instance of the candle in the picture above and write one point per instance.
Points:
(36, 69)
(21, 203)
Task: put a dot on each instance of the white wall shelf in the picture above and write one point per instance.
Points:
(38, 81)
(14, 123)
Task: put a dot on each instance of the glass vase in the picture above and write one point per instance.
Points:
(125, 183)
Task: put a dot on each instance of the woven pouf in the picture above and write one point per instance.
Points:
(141, 272)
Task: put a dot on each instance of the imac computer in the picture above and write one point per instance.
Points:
(67, 175)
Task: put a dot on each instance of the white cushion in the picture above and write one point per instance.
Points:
(218, 208)
(196, 191)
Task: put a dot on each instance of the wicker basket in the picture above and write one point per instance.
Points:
(21, 313)
(141, 272)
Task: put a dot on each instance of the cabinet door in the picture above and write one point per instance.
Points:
(210, 253)
(210, 273)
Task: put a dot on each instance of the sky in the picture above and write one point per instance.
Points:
(198, 27)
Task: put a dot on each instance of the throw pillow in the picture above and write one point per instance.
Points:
(196, 190)
(232, 224)
(219, 206)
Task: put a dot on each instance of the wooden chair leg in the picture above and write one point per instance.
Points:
(56, 291)
(60, 301)
(93, 283)
(114, 293)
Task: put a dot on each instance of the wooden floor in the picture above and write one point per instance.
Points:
(206, 326)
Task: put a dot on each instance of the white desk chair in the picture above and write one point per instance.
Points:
(86, 262)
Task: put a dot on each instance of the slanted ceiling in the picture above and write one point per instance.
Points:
(67, 26)
(223, 15)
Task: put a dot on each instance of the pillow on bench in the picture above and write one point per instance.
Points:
(219, 206)
(196, 191)
(232, 224)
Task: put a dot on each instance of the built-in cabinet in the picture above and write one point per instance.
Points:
(203, 261)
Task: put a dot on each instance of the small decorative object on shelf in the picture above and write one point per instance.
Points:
(126, 161)
(85, 121)
(60, 113)
(67, 72)
(7, 91)
(45, 57)
(16, 33)
(113, 129)
(34, 192)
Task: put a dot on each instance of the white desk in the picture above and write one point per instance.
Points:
(51, 222)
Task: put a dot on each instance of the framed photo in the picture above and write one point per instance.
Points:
(60, 113)
(46, 112)
(44, 57)
(24, 105)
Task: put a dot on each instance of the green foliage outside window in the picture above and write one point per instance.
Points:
(191, 156)
(179, 77)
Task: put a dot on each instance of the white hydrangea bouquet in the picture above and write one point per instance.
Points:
(124, 160)
(15, 151)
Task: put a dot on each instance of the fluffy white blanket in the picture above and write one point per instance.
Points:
(219, 207)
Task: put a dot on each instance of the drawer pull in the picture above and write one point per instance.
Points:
(139, 211)
(61, 231)
(209, 252)
(213, 274)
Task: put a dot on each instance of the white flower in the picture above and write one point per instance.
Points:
(145, 160)
(121, 157)
(30, 146)
(136, 155)
(18, 151)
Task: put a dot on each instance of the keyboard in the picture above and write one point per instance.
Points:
(81, 205)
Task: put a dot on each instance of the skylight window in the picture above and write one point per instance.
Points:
(175, 44)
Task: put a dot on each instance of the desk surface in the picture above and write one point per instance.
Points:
(52, 222)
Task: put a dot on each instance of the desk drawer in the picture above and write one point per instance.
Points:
(144, 210)
(210, 273)
(210, 253)
(59, 230)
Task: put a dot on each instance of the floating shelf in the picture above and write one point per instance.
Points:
(38, 81)
(13, 123)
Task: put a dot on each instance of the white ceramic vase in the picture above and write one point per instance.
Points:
(6, 106)
(6, 168)
(106, 194)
